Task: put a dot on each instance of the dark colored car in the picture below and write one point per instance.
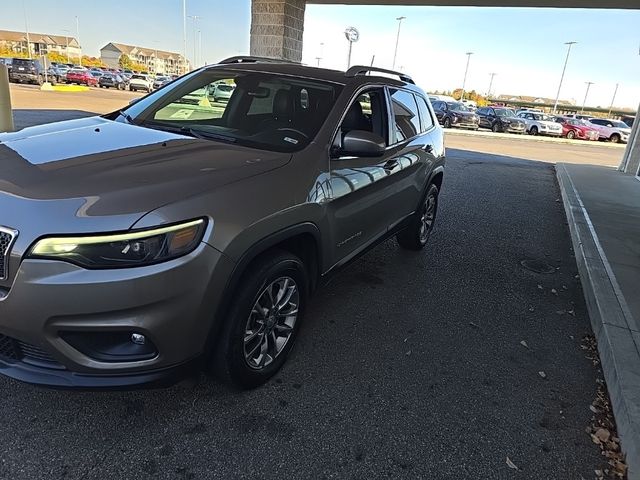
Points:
(57, 73)
(25, 70)
(144, 244)
(576, 128)
(81, 77)
(112, 80)
(500, 119)
(455, 114)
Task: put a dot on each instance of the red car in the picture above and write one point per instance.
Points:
(575, 128)
(81, 77)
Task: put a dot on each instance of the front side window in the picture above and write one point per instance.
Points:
(405, 114)
(256, 109)
(367, 112)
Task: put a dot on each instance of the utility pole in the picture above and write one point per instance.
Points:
(395, 53)
(26, 27)
(490, 84)
(566, 60)
(319, 57)
(464, 82)
(615, 92)
(195, 19)
(78, 40)
(585, 95)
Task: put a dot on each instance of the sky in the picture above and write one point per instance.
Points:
(525, 47)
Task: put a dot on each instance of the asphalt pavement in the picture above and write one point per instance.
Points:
(409, 365)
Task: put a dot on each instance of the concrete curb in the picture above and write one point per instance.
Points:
(531, 138)
(610, 320)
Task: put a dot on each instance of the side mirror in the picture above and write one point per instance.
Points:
(360, 143)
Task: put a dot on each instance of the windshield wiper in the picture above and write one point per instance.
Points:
(126, 116)
(206, 135)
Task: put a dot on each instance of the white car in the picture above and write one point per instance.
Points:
(140, 82)
(223, 91)
(612, 130)
(540, 124)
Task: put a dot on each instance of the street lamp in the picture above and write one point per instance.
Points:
(319, 57)
(585, 95)
(490, 84)
(78, 40)
(195, 19)
(184, 36)
(566, 60)
(613, 100)
(395, 53)
(464, 82)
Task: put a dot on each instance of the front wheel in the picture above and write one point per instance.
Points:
(447, 122)
(263, 323)
(615, 138)
(571, 134)
(417, 234)
(495, 128)
(533, 131)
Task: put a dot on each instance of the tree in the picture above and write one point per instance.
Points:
(124, 61)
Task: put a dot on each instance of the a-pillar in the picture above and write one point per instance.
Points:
(276, 28)
(631, 159)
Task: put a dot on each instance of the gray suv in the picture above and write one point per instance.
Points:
(180, 234)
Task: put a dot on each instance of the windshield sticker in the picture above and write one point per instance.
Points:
(183, 114)
(291, 140)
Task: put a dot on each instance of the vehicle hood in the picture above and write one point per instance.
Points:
(460, 113)
(95, 170)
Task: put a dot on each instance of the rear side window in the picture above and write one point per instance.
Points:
(405, 113)
(426, 122)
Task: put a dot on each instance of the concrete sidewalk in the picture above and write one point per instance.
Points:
(603, 210)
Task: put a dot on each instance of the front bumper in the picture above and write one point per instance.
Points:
(172, 304)
(513, 128)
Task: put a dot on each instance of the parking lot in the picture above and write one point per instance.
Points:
(440, 364)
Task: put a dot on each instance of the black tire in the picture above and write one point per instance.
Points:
(40, 80)
(447, 122)
(533, 131)
(614, 138)
(228, 361)
(571, 134)
(417, 234)
(495, 128)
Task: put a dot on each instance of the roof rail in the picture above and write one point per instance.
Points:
(363, 70)
(250, 59)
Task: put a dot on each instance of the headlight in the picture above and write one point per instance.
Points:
(120, 250)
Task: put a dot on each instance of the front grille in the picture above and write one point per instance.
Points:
(17, 350)
(6, 241)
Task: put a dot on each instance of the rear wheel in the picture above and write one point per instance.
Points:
(263, 323)
(615, 138)
(571, 134)
(417, 234)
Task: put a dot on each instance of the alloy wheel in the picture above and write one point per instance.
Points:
(428, 217)
(271, 322)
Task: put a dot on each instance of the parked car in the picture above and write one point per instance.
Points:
(139, 81)
(25, 70)
(455, 114)
(613, 130)
(628, 119)
(160, 81)
(470, 104)
(6, 61)
(579, 116)
(57, 73)
(223, 92)
(81, 76)
(112, 80)
(540, 124)
(500, 119)
(146, 243)
(574, 128)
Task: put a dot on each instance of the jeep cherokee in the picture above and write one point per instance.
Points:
(181, 232)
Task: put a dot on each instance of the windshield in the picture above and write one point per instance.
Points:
(458, 106)
(505, 112)
(264, 110)
(543, 117)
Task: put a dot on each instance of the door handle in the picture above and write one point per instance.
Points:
(390, 165)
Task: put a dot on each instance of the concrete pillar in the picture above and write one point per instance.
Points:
(631, 159)
(6, 115)
(276, 28)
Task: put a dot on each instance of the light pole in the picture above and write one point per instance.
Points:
(67, 39)
(613, 100)
(78, 40)
(584, 102)
(464, 82)
(395, 53)
(352, 35)
(490, 84)
(195, 19)
(319, 57)
(26, 27)
(184, 36)
(566, 60)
